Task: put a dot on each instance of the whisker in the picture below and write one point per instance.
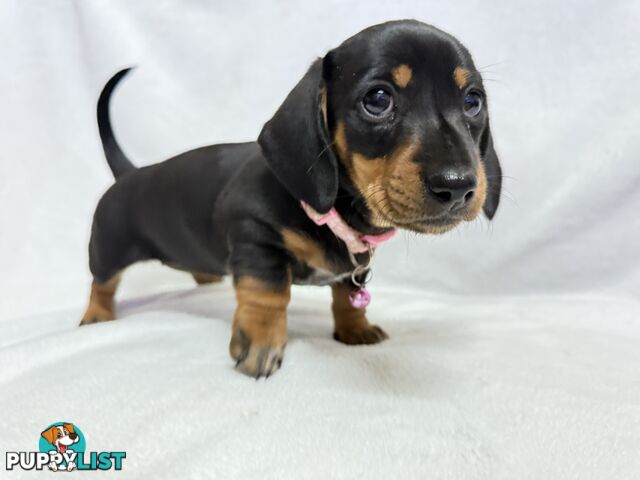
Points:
(327, 147)
(492, 65)
(503, 176)
(494, 80)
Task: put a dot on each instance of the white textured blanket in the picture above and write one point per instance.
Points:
(525, 388)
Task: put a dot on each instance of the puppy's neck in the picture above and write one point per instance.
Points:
(354, 211)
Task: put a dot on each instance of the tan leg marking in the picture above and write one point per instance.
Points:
(351, 324)
(401, 75)
(205, 278)
(259, 327)
(100, 307)
(461, 75)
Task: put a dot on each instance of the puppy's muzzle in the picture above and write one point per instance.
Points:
(453, 189)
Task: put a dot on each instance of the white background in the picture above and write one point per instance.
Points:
(514, 344)
(562, 84)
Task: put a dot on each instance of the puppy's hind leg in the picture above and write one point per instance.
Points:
(110, 251)
(100, 307)
(205, 278)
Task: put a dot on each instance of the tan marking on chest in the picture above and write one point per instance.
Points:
(306, 250)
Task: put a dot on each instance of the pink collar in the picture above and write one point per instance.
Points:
(355, 241)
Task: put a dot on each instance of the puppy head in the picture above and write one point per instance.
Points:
(396, 116)
(64, 434)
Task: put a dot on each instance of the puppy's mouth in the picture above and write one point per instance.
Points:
(399, 203)
(386, 212)
(423, 224)
(62, 448)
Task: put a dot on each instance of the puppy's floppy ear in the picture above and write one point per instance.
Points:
(493, 171)
(296, 143)
(69, 427)
(50, 434)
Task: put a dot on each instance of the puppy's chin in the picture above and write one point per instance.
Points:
(431, 227)
(421, 218)
(422, 224)
(427, 225)
(445, 224)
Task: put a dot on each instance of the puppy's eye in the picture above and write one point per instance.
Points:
(378, 102)
(472, 104)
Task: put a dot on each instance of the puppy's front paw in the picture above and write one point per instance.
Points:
(71, 466)
(351, 324)
(53, 466)
(96, 314)
(259, 332)
(360, 335)
(256, 357)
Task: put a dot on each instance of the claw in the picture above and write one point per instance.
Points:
(257, 361)
(366, 335)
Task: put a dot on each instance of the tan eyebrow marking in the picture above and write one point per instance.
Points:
(401, 75)
(460, 75)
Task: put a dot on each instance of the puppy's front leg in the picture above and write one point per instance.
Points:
(259, 325)
(351, 324)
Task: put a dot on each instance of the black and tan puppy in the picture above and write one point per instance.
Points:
(391, 129)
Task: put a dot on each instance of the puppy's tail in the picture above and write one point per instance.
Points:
(117, 160)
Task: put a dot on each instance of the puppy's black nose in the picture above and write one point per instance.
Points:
(453, 189)
(73, 436)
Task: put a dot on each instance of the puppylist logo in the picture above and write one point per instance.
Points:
(63, 448)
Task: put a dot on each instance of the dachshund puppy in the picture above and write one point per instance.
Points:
(389, 130)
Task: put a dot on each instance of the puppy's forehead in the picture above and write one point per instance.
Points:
(401, 50)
